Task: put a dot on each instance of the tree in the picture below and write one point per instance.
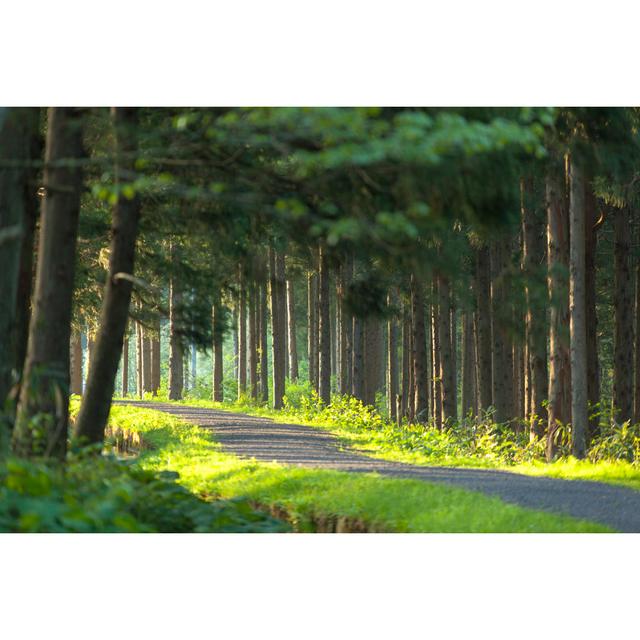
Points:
(45, 388)
(291, 329)
(578, 329)
(278, 324)
(324, 330)
(96, 403)
(419, 353)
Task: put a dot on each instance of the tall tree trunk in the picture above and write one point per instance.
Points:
(392, 358)
(146, 360)
(96, 403)
(264, 351)
(253, 340)
(217, 391)
(312, 329)
(623, 342)
(125, 367)
(374, 365)
(139, 359)
(17, 127)
(291, 328)
(533, 253)
(242, 333)
(278, 325)
(502, 350)
(407, 361)
(419, 353)
(357, 373)
(346, 330)
(435, 360)
(636, 406)
(155, 360)
(483, 320)
(468, 368)
(559, 407)
(446, 357)
(593, 364)
(577, 307)
(234, 320)
(324, 329)
(176, 349)
(46, 374)
(75, 365)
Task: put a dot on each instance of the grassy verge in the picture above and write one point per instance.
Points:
(416, 445)
(309, 497)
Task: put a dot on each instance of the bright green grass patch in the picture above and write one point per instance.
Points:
(307, 494)
(362, 429)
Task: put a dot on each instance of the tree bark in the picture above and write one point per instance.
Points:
(242, 334)
(446, 356)
(406, 359)
(17, 127)
(96, 403)
(146, 361)
(291, 328)
(419, 353)
(253, 340)
(217, 390)
(435, 360)
(392, 359)
(75, 364)
(623, 339)
(278, 325)
(264, 352)
(125, 367)
(139, 378)
(374, 365)
(155, 361)
(312, 329)
(533, 253)
(357, 373)
(324, 329)
(468, 368)
(559, 407)
(45, 387)
(483, 320)
(176, 349)
(577, 307)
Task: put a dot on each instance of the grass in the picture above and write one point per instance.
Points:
(416, 445)
(310, 496)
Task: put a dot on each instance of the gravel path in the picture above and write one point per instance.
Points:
(265, 440)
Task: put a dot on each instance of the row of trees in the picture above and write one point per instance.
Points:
(454, 260)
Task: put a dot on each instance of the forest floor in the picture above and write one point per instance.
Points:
(264, 440)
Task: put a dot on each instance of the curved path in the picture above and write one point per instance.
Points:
(292, 444)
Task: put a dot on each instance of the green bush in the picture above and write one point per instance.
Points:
(102, 494)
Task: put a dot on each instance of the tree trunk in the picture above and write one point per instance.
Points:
(374, 365)
(278, 325)
(419, 353)
(264, 352)
(17, 126)
(577, 307)
(446, 356)
(392, 359)
(291, 328)
(636, 406)
(406, 358)
(176, 350)
(125, 367)
(45, 385)
(357, 373)
(623, 339)
(559, 407)
(75, 364)
(155, 361)
(533, 253)
(435, 361)
(312, 329)
(593, 364)
(483, 321)
(96, 403)
(324, 329)
(345, 330)
(468, 368)
(146, 361)
(139, 387)
(242, 334)
(502, 353)
(253, 340)
(217, 392)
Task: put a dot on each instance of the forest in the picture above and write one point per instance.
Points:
(320, 319)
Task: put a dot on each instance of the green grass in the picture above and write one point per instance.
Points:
(308, 495)
(376, 438)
